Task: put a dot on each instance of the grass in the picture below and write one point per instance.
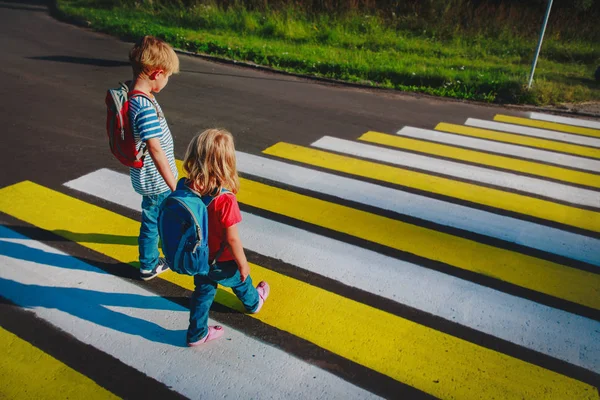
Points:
(483, 66)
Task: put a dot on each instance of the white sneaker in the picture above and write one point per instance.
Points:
(161, 266)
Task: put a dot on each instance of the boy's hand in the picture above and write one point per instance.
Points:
(244, 271)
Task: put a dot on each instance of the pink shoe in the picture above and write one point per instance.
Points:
(214, 332)
(263, 292)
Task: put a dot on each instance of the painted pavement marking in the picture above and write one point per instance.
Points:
(503, 149)
(147, 331)
(548, 125)
(584, 123)
(543, 276)
(534, 132)
(431, 361)
(541, 237)
(541, 328)
(484, 159)
(452, 169)
(547, 210)
(544, 144)
(29, 373)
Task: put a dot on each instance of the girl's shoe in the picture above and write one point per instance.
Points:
(214, 332)
(263, 292)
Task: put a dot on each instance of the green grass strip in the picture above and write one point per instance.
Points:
(362, 49)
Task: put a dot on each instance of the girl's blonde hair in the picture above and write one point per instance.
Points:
(210, 162)
(150, 54)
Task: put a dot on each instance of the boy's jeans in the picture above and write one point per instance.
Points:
(225, 274)
(148, 239)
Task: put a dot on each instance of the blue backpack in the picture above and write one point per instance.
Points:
(183, 230)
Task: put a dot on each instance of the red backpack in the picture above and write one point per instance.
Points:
(118, 127)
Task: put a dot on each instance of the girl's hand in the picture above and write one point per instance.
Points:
(235, 244)
(244, 271)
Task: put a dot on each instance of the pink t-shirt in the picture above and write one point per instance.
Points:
(223, 212)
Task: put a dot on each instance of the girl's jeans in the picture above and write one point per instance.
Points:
(148, 239)
(226, 274)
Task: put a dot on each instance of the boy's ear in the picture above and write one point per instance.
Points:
(154, 74)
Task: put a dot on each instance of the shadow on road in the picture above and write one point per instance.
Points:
(61, 235)
(34, 6)
(229, 302)
(97, 238)
(98, 62)
(86, 304)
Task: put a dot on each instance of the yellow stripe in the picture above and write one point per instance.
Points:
(521, 140)
(544, 209)
(434, 362)
(478, 157)
(29, 373)
(553, 126)
(540, 275)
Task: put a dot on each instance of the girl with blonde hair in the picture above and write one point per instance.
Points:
(210, 165)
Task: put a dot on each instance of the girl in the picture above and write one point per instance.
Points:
(210, 166)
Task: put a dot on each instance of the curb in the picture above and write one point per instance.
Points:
(61, 16)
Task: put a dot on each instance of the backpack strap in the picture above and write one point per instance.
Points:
(181, 185)
(138, 93)
(221, 250)
(207, 199)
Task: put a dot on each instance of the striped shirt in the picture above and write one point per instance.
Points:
(148, 124)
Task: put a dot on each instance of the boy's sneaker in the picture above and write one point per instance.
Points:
(161, 266)
(263, 290)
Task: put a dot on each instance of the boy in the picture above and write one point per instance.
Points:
(153, 62)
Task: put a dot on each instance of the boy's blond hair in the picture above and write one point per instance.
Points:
(150, 54)
(210, 162)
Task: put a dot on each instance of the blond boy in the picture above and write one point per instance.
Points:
(153, 62)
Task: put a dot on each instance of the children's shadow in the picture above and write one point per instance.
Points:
(97, 238)
(90, 305)
(61, 235)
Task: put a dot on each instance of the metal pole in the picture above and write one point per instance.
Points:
(539, 46)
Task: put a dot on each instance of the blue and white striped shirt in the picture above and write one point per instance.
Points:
(148, 124)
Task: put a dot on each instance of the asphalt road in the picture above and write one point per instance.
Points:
(54, 80)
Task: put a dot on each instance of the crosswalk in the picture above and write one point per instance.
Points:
(459, 263)
(19, 356)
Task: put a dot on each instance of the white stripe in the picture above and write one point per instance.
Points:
(114, 186)
(565, 120)
(536, 132)
(147, 332)
(504, 149)
(552, 240)
(507, 180)
(544, 329)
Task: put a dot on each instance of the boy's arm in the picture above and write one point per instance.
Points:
(160, 160)
(148, 125)
(235, 244)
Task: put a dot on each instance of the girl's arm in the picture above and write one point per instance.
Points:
(160, 160)
(235, 244)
